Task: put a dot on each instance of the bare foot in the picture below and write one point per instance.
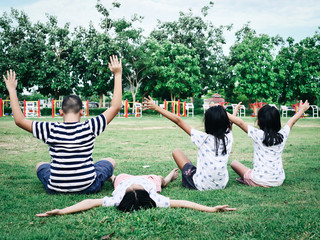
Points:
(111, 179)
(173, 175)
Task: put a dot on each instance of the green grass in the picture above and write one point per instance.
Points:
(287, 212)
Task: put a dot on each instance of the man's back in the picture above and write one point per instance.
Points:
(70, 147)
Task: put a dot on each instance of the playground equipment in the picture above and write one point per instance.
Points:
(242, 110)
(273, 105)
(135, 106)
(58, 104)
(138, 109)
(31, 108)
(205, 106)
(315, 111)
(190, 108)
(2, 103)
(187, 108)
(215, 99)
(284, 111)
(256, 106)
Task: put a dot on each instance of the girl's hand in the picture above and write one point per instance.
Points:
(11, 81)
(149, 104)
(223, 208)
(115, 66)
(304, 106)
(236, 109)
(49, 213)
(238, 106)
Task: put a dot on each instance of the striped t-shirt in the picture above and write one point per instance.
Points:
(70, 147)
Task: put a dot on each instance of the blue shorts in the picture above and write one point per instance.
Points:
(188, 171)
(104, 170)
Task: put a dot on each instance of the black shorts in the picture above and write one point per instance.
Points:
(188, 171)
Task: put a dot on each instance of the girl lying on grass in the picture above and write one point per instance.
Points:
(135, 193)
(214, 147)
(268, 143)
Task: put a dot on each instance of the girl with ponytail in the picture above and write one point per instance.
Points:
(214, 147)
(268, 143)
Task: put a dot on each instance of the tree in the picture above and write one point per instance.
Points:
(22, 46)
(297, 69)
(177, 69)
(195, 33)
(90, 59)
(54, 76)
(252, 64)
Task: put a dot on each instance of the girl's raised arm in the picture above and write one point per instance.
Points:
(199, 207)
(303, 107)
(149, 104)
(239, 122)
(78, 207)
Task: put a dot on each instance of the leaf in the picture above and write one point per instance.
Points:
(108, 236)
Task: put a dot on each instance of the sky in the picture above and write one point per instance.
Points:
(296, 18)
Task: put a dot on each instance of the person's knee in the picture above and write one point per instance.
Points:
(39, 164)
(176, 152)
(234, 163)
(111, 160)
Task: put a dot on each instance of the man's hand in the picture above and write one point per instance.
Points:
(11, 81)
(115, 66)
(149, 104)
(49, 213)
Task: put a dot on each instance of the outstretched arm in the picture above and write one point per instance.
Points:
(199, 207)
(116, 67)
(235, 111)
(78, 207)
(11, 84)
(303, 107)
(239, 122)
(149, 104)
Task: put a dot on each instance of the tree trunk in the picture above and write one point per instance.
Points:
(56, 95)
(100, 99)
(7, 102)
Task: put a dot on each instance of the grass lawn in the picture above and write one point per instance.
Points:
(288, 212)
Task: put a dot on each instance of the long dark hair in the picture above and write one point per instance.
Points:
(217, 123)
(136, 200)
(269, 122)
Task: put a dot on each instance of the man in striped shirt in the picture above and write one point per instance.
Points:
(71, 143)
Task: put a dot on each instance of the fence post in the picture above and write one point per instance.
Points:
(126, 109)
(137, 113)
(184, 109)
(178, 108)
(38, 107)
(173, 106)
(52, 105)
(87, 108)
(165, 104)
(1, 110)
(24, 108)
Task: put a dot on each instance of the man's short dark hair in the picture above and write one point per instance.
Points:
(136, 200)
(71, 104)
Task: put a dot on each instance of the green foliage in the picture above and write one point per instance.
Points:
(253, 64)
(179, 59)
(177, 69)
(194, 32)
(298, 69)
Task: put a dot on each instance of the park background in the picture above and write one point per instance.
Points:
(185, 59)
